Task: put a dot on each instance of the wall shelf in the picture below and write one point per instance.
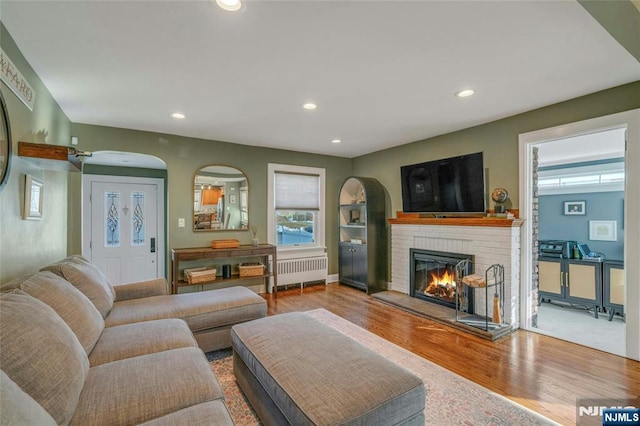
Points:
(51, 157)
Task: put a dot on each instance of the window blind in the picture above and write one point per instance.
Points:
(294, 191)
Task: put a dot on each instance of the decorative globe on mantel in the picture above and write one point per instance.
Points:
(499, 195)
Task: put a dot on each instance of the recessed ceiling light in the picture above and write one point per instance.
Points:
(336, 140)
(229, 5)
(464, 93)
(309, 105)
(178, 115)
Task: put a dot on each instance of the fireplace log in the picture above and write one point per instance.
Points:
(474, 280)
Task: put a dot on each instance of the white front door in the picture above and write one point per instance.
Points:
(124, 232)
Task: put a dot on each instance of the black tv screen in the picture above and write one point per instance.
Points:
(450, 185)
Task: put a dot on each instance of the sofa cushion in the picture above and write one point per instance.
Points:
(142, 338)
(9, 286)
(202, 310)
(41, 354)
(136, 290)
(143, 388)
(87, 278)
(18, 408)
(207, 413)
(69, 303)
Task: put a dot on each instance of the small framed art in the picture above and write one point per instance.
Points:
(603, 230)
(33, 198)
(575, 208)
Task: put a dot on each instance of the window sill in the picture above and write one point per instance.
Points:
(296, 252)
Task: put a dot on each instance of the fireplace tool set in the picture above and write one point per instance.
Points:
(493, 284)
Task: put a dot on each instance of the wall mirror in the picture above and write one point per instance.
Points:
(220, 199)
(5, 143)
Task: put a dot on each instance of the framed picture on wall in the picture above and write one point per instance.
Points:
(33, 196)
(603, 230)
(575, 208)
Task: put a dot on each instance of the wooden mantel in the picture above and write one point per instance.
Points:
(416, 219)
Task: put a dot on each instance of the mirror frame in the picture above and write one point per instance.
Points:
(5, 143)
(239, 199)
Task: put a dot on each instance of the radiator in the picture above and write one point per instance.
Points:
(302, 270)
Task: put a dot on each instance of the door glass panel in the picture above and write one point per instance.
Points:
(137, 219)
(112, 219)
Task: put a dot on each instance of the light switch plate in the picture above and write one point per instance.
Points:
(181, 222)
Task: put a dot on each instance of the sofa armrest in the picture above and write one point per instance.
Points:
(137, 290)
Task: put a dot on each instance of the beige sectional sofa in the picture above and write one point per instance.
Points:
(76, 350)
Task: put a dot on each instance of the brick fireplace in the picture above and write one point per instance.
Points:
(487, 240)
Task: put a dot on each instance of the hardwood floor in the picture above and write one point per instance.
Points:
(544, 374)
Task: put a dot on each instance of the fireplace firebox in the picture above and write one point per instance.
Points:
(433, 277)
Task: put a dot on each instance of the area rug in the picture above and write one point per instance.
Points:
(450, 399)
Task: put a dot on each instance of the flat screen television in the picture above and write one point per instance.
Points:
(449, 185)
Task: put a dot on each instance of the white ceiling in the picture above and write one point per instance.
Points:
(594, 146)
(383, 73)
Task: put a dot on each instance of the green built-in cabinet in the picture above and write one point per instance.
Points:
(363, 258)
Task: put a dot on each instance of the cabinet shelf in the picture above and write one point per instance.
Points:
(573, 281)
(613, 286)
(362, 239)
(234, 277)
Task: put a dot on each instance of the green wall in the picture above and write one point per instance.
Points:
(27, 245)
(184, 156)
(498, 140)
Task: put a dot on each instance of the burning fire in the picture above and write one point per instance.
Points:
(441, 286)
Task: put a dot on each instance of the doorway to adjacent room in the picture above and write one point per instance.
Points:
(553, 303)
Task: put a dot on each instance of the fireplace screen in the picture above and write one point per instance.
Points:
(433, 276)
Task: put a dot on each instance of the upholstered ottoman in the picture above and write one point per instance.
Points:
(296, 370)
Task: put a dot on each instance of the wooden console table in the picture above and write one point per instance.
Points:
(207, 253)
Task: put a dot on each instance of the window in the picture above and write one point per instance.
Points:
(595, 179)
(295, 227)
(575, 179)
(296, 212)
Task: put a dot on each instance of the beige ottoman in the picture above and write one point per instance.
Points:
(296, 370)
